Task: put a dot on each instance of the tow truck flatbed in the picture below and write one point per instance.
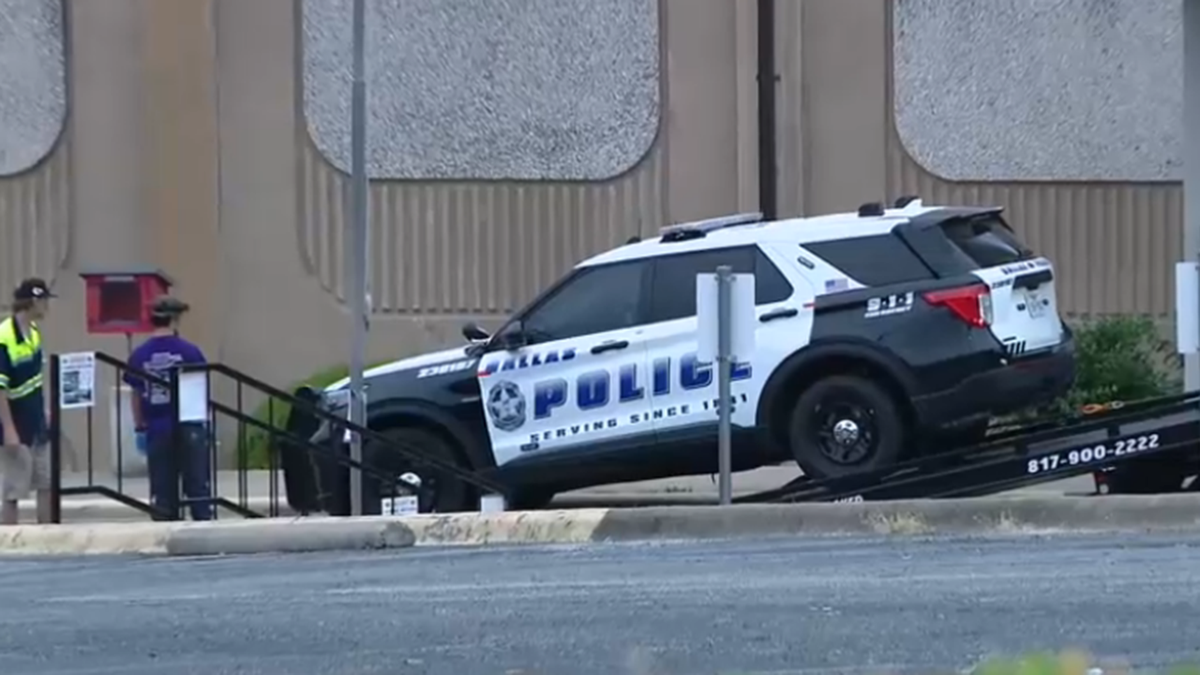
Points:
(1045, 451)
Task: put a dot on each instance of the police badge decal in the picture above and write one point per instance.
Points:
(506, 406)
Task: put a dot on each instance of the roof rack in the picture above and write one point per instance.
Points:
(700, 228)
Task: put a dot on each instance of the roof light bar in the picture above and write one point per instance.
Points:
(711, 224)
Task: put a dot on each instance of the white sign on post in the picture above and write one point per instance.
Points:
(77, 380)
(1187, 307)
(193, 396)
(741, 317)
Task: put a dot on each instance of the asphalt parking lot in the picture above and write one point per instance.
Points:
(783, 606)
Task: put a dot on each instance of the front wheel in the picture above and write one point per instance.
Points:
(438, 492)
(845, 424)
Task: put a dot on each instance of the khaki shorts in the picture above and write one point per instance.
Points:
(23, 469)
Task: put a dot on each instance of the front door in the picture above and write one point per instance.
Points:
(571, 377)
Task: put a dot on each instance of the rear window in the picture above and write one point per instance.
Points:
(877, 260)
(986, 240)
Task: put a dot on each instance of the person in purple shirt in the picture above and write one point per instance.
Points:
(163, 351)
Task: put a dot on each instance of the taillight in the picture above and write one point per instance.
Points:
(972, 304)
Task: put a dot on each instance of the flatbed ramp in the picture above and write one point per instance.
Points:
(1165, 431)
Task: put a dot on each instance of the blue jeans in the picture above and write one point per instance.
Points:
(166, 463)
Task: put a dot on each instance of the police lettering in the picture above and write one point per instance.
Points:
(526, 361)
(594, 389)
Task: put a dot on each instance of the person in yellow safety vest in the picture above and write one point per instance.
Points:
(24, 452)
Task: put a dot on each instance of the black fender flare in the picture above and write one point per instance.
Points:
(854, 348)
(475, 449)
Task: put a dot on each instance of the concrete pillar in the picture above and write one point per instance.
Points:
(106, 135)
(180, 155)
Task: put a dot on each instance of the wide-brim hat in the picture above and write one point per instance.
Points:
(167, 306)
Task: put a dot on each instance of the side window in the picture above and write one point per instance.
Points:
(593, 300)
(674, 292)
(769, 283)
(877, 260)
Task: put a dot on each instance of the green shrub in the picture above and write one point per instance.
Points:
(1118, 358)
(1122, 358)
(256, 447)
(1066, 663)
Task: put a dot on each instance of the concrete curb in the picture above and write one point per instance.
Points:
(1003, 515)
(288, 536)
(918, 517)
(88, 539)
(513, 527)
(210, 538)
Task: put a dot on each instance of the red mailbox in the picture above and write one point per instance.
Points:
(119, 302)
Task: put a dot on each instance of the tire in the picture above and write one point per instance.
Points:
(440, 493)
(882, 430)
(530, 500)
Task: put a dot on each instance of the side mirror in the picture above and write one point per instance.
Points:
(513, 338)
(473, 333)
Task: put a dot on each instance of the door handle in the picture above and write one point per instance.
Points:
(610, 346)
(781, 313)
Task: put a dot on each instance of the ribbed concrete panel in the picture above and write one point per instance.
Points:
(34, 221)
(1114, 244)
(466, 248)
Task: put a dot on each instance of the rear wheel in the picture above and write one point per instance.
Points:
(846, 424)
(438, 492)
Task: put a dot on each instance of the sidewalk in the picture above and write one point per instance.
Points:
(257, 492)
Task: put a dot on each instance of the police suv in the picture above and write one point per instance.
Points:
(881, 333)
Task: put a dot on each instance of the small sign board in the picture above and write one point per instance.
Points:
(404, 505)
(741, 316)
(77, 380)
(193, 396)
(1187, 307)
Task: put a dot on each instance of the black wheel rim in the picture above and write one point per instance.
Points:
(845, 430)
(425, 491)
(427, 479)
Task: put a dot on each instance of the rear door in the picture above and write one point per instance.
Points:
(1021, 283)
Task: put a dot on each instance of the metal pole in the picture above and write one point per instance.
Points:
(724, 371)
(56, 441)
(1191, 165)
(357, 267)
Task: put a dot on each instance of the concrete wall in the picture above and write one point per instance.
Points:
(513, 137)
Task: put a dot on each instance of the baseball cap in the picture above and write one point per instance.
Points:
(33, 289)
(166, 305)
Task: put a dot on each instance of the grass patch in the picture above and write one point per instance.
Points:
(1069, 662)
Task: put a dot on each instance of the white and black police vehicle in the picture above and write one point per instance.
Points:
(880, 333)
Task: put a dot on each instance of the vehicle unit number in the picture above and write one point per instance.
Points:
(1093, 453)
